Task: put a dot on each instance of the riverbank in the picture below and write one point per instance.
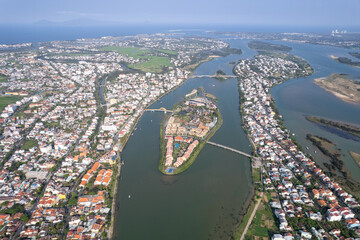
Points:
(341, 86)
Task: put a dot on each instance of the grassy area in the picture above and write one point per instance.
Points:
(134, 52)
(29, 144)
(167, 51)
(256, 174)
(3, 78)
(154, 64)
(263, 223)
(356, 157)
(6, 100)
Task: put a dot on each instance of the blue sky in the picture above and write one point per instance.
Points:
(251, 12)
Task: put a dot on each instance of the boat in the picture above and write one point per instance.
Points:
(129, 196)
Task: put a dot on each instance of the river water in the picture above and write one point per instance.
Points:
(204, 202)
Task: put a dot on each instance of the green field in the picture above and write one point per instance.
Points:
(3, 78)
(153, 64)
(263, 223)
(6, 100)
(167, 51)
(134, 52)
(29, 144)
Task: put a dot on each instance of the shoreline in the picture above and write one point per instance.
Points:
(320, 82)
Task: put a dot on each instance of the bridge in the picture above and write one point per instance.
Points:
(158, 110)
(214, 76)
(230, 149)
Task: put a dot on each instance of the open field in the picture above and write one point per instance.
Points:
(134, 52)
(152, 63)
(6, 100)
(263, 224)
(3, 78)
(341, 86)
(167, 51)
(29, 144)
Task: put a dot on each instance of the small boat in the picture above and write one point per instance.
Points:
(129, 196)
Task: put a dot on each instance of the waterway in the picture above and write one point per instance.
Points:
(298, 98)
(204, 202)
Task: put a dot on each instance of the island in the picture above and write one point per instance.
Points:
(348, 128)
(346, 60)
(185, 132)
(341, 86)
(265, 46)
(219, 75)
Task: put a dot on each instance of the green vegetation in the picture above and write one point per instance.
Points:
(29, 143)
(134, 52)
(17, 208)
(150, 63)
(328, 149)
(241, 227)
(356, 157)
(219, 73)
(348, 128)
(153, 64)
(3, 78)
(167, 51)
(263, 224)
(6, 100)
(355, 54)
(347, 61)
(265, 46)
(232, 63)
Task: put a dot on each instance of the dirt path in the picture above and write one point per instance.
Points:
(251, 217)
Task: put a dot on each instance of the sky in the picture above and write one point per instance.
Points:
(236, 12)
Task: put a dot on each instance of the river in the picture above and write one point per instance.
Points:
(204, 201)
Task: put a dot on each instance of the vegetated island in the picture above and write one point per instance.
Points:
(328, 149)
(355, 54)
(185, 132)
(348, 128)
(346, 60)
(341, 86)
(219, 75)
(355, 156)
(265, 46)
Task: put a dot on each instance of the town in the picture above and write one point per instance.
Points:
(67, 110)
(305, 202)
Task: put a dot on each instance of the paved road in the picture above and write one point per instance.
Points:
(251, 217)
